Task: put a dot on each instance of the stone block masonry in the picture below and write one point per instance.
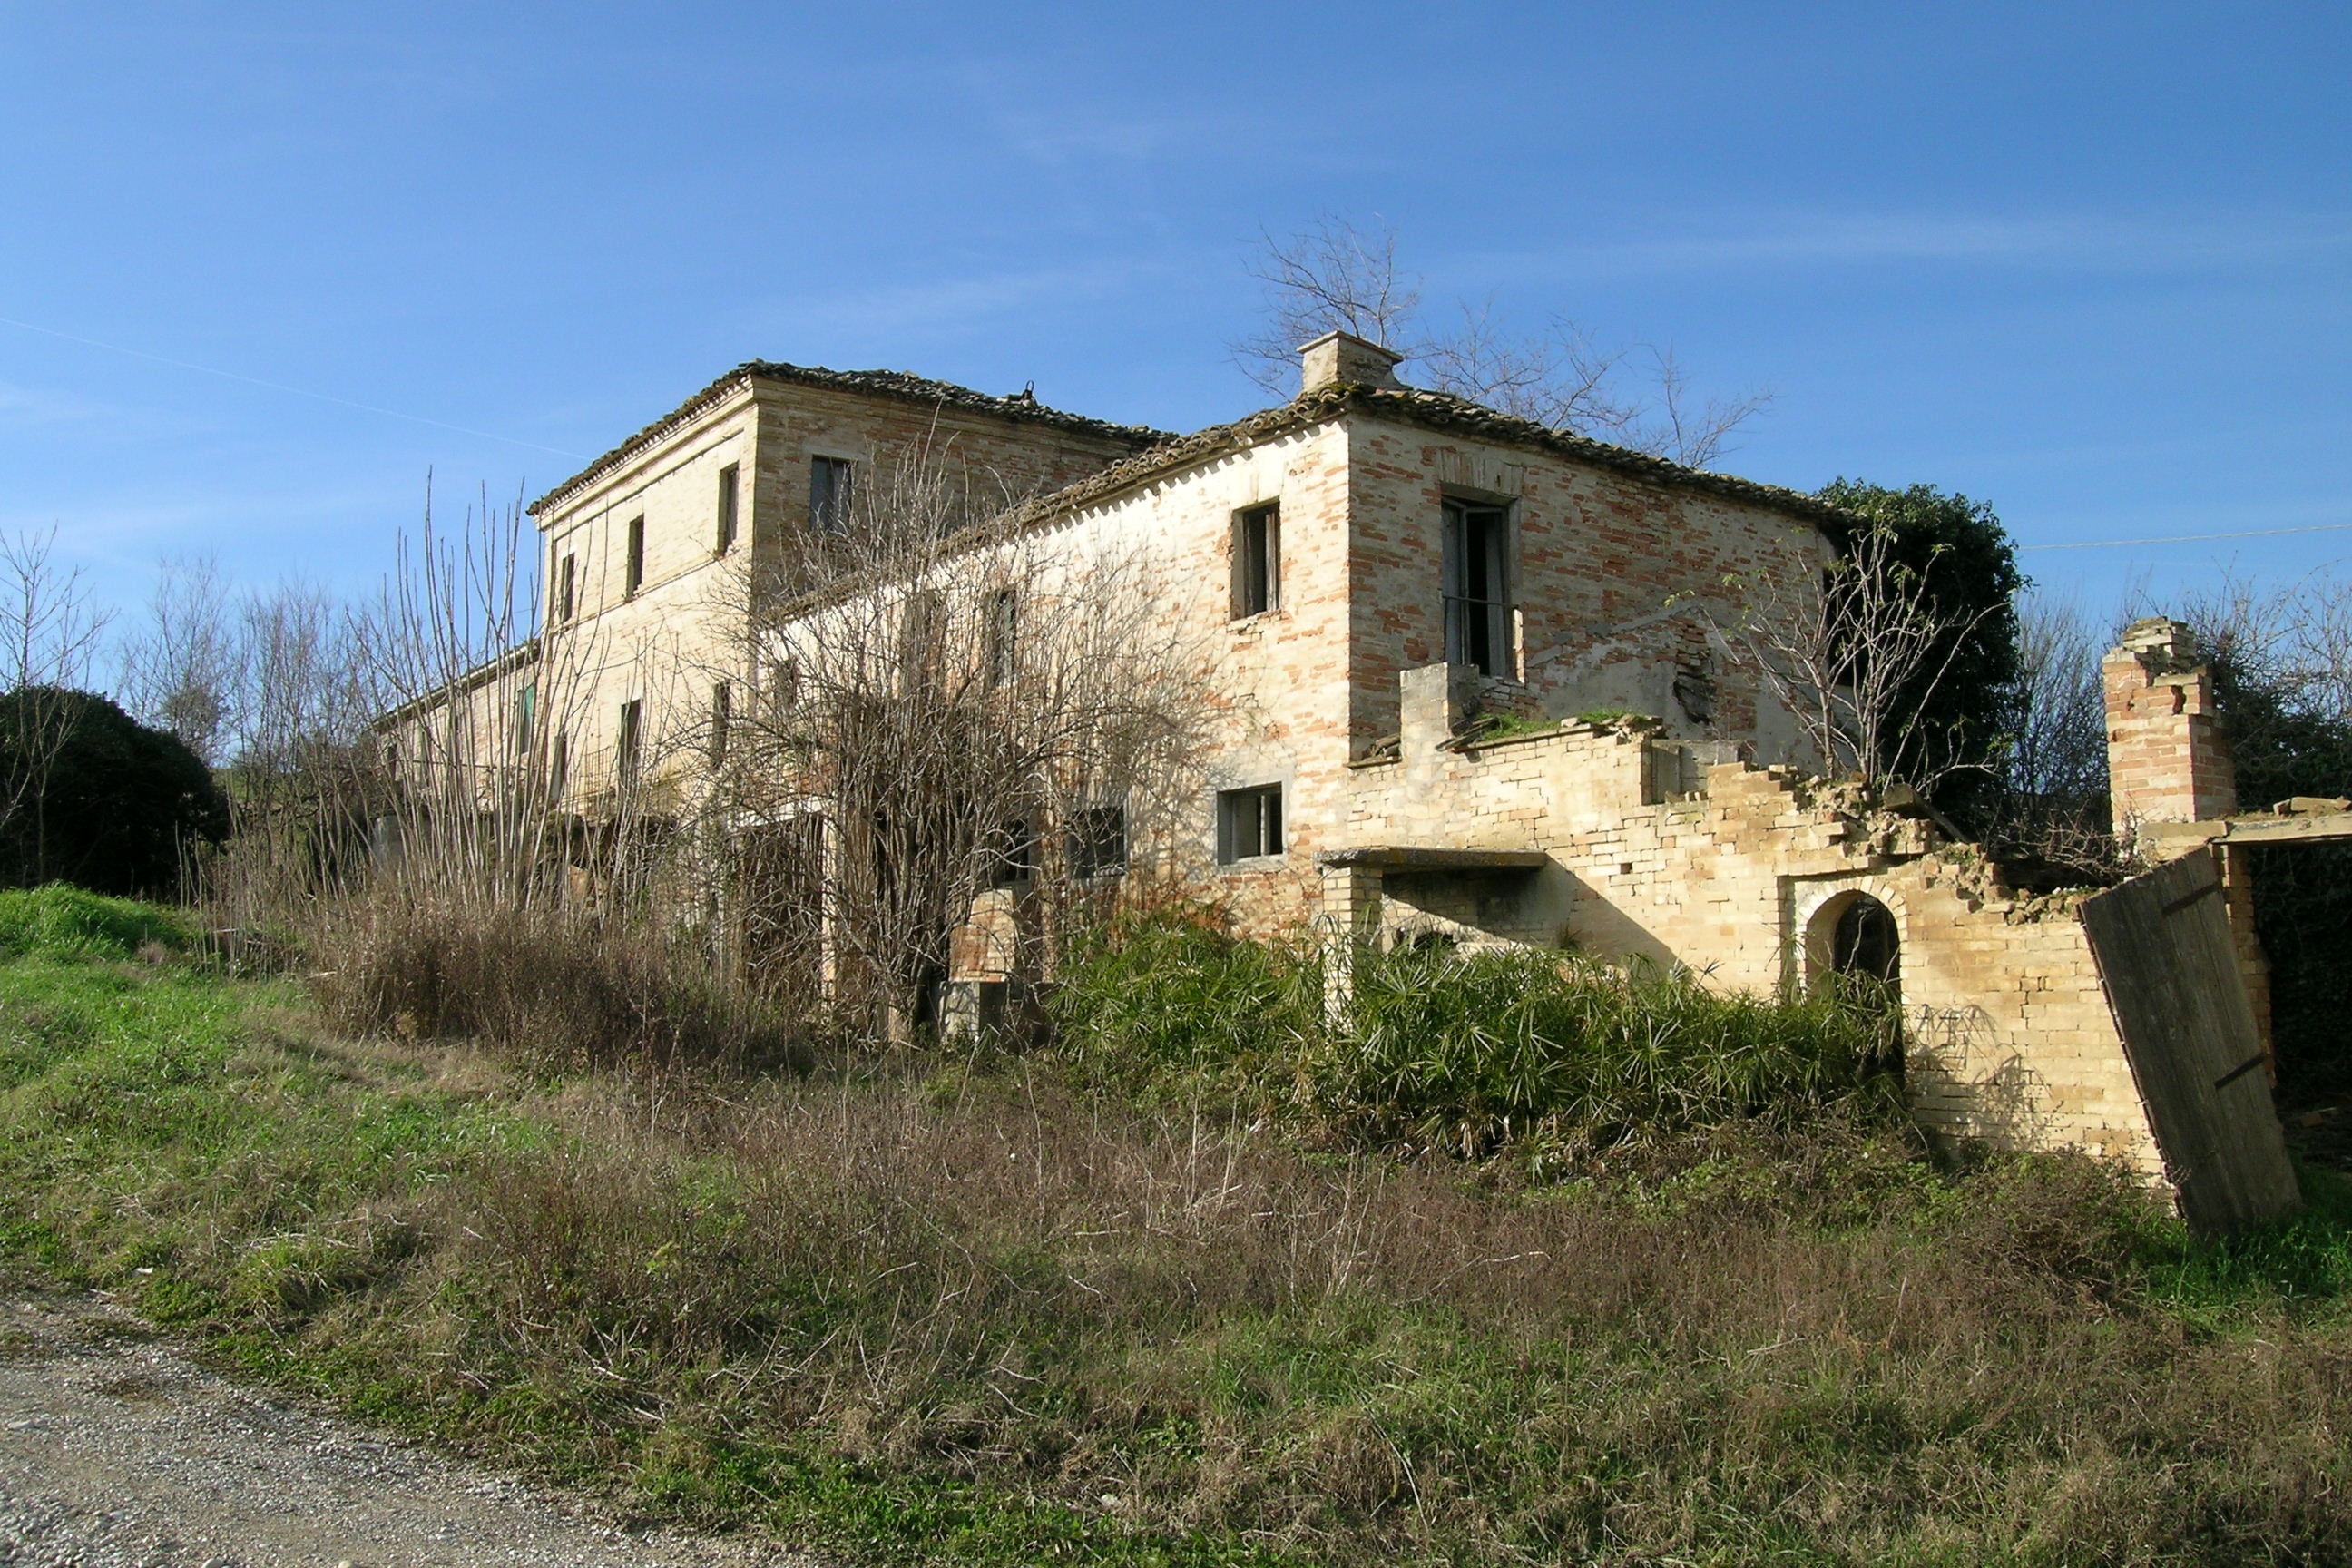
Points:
(1743, 878)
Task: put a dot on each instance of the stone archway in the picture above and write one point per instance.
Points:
(1856, 934)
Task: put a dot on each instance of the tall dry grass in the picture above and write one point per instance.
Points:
(554, 986)
(1815, 1344)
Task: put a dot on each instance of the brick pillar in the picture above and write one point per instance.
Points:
(1351, 925)
(2167, 760)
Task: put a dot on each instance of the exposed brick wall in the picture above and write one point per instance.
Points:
(1620, 584)
(2167, 757)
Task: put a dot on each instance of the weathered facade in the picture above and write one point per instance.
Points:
(1370, 577)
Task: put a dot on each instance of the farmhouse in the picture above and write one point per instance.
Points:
(1468, 679)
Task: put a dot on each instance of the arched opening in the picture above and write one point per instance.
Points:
(1864, 943)
(1855, 945)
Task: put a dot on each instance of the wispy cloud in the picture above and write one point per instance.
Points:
(894, 311)
(2088, 242)
(42, 408)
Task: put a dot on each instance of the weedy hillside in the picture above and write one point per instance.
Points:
(1515, 1262)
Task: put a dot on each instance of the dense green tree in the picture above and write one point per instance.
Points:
(2290, 734)
(1960, 708)
(116, 806)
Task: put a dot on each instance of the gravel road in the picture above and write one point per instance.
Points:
(116, 1451)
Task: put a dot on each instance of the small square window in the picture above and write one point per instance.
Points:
(1097, 845)
(833, 483)
(1257, 561)
(1249, 823)
(635, 577)
(730, 491)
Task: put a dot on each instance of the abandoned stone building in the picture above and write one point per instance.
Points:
(1363, 571)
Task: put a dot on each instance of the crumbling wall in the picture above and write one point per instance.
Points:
(2010, 1035)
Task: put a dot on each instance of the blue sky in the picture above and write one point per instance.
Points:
(2089, 263)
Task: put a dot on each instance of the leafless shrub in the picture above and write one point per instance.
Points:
(1336, 274)
(552, 984)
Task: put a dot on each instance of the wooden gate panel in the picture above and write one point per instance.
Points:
(2169, 965)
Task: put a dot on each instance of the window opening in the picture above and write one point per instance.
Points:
(1477, 595)
(1249, 823)
(722, 720)
(1012, 855)
(635, 573)
(918, 642)
(558, 766)
(566, 586)
(1099, 841)
(1004, 630)
(783, 685)
(625, 747)
(728, 491)
(832, 489)
(1257, 561)
(526, 704)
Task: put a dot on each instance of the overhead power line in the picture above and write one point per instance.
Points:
(2190, 538)
(281, 386)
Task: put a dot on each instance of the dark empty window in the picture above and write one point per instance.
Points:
(627, 745)
(1099, 841)
(722, 720)
(728, 493)
(1478, 586)
(635, 577)
(1865, 943)
(558, 766)
(1249, 823)
(1012, 855)
(1257, 561)
(1003, 631)
(782, 686)
(832, 486)
(567, 587)
(921, 627)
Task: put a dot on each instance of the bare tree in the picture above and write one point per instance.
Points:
(1853, 647)
(965, 709)
(1331, 276)
(2053, 797)
(180, 671)
(1336, 274)
(48, 635)
(2281, 657)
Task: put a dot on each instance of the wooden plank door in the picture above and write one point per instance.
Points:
(2169, 965)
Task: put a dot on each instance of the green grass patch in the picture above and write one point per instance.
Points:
(993, 1316)
(61, 921)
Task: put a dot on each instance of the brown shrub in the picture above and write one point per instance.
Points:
(549, 983)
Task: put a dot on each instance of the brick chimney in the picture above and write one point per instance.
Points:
(2167, 759)
(1343, 356)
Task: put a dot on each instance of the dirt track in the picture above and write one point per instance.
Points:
(116, 1451)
